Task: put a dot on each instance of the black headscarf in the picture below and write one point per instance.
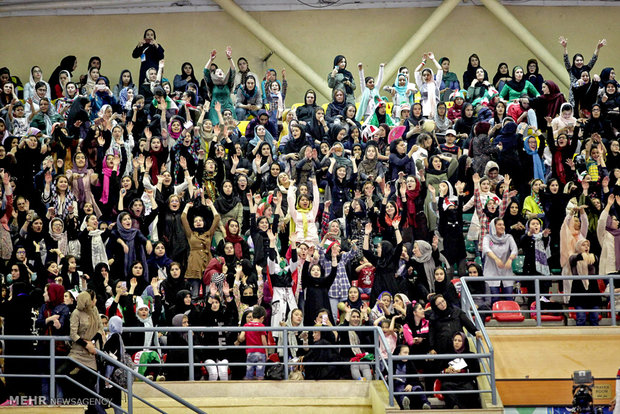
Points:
(498, 74)
(193, 77)
(224, 203)
(513, 84)
(575, 71)
(67, 64)
(347, 75)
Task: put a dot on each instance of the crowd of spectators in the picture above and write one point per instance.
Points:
(207, 200)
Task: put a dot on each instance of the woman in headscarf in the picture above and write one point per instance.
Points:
(533, 76)
(429, 88)
(305, 112)
(341, 78)
(186, 77)
(229, 206)
(125, 81)
(501, 76)
(449, 80)
(150, 53)
(87, 335)
(249, 100)
(386, 263)
(549, 103)
(68, 63)
(479, 87)
(402, 94)
(578, 66)
(336, 106)
(370, 168)
(460, 345)
(517, 86)
(199, 237)
(36, 76)
(470, 74)
(220, 85)
(46, 117)
(424, 258)
(584, 263)
(585, 93)
(444, 321)
(500, 250)
(133, 245)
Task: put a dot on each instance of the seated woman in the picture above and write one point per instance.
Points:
(462, 365)
(353, 318)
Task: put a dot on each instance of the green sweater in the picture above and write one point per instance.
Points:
(509, 94)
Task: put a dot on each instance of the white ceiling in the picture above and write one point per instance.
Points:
(10, 8)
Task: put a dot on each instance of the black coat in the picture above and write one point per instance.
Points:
(316, 288)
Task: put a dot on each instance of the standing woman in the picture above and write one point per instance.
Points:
(36, 75)
(513, 89)
(499, 249)
(125, 81)
(533, 76)
(575, 70)
(341, 78)
(149, 52)
(134, 245)
(86, 330)
(199, 239)
(185, 78)
(449, 81)
(470, 74)
(220, 85)
(68, 63)
(429, 88)
(82, 178)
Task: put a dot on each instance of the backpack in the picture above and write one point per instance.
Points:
(119, 375)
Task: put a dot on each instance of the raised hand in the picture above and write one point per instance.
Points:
(563, 41)
(228, 52)
(368, 229)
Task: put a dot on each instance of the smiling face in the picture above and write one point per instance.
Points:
(315, 271)
(585, 77)
(354, 294)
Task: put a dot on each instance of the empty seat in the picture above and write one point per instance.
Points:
(507, 305)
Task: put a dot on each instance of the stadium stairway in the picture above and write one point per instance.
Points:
(285, 397)
(273, 397)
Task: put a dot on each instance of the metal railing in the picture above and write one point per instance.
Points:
(383, 367)
(53, 376)
(538, 311)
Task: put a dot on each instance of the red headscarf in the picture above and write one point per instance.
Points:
(236, 240)
(553, 100)
(56, 294)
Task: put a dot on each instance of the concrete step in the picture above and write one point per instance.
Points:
(273, 397)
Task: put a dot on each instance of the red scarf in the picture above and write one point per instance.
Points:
(107, 173)
(559, 166)
(411, 211)
(236, 240)
(396, 217)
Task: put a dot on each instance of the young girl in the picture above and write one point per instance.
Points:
(429, 87)
(370, 92)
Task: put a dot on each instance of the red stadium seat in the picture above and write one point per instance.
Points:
(437, 388)
(507, 305)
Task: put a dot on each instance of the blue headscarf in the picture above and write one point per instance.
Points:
(539, 172)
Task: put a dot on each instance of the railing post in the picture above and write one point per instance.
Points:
(284, 341)
(537, 291)
(129, 391)
(52, 371)
(612, 301)
(190, 353)
(493, 389)
(390, 375)
(377, 353)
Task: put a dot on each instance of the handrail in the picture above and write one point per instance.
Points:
(467, 303)
(538, 294)
(384, 367)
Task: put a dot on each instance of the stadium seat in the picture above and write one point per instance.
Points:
(437, 388)
(457, 285)
(507, 305)
(471, 246)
